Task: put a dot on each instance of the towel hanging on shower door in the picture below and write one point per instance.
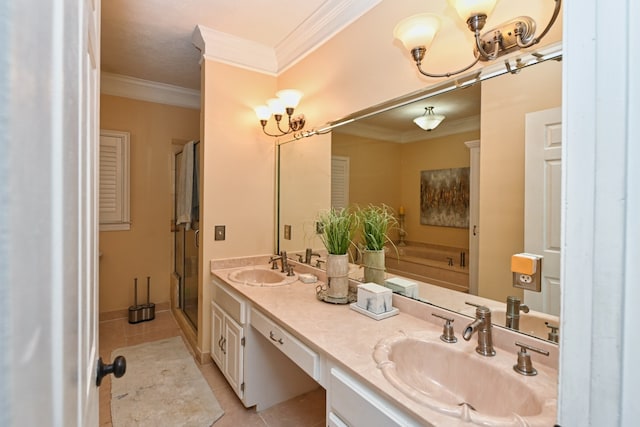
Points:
(184, 186)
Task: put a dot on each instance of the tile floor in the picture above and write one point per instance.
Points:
(307, 410)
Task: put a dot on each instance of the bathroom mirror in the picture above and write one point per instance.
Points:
(387, 154)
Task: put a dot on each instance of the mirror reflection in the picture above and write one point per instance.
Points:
(484, 151)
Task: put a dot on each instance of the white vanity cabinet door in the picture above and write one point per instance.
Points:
(227, 347)
(217, 317)
(232, 349)
(352, 403)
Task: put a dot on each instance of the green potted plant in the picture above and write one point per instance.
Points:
(337, 228)
(376, 222)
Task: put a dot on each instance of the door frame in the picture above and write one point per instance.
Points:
(49, 117)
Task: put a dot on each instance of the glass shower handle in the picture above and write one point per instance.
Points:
(196, 239)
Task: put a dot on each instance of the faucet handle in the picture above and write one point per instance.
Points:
(553, 333)
(471, 303)
(274, 261)
(448, 335)
(524, 365)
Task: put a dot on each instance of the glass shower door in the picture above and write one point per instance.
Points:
(186, 261)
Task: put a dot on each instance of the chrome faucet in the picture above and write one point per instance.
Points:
(283, 259)
(482, 325)
(308, 255)
(513, 312)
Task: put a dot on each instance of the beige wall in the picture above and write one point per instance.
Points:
(505, 101)
(438, 153)
(374, 169)
(387, 172)
(238, 177)
(146, 249)
(305, 190)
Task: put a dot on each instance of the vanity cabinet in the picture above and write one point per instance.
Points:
(228, 320)
(227, 342)
(244, 349)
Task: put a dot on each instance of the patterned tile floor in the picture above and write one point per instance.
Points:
(307, 410)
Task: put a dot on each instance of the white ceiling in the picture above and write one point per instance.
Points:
(151, 39)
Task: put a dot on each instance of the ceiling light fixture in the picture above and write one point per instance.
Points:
(429, 120)
(286, 102)
(417, 32)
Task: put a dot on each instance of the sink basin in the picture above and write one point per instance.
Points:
(257, 276)
(454, 380)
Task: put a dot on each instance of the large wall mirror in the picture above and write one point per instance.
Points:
(496, 135)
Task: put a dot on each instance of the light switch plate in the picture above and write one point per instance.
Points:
(287, 232)
(219, 232)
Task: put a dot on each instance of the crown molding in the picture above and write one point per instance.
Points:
(146, 90)
(229, 49)
(332, 17)
(324, 23)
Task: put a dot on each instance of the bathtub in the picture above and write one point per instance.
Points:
(430, 264)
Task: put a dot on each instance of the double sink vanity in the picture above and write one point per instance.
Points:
(274, 340)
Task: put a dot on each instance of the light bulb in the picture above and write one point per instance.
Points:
(417, 30)
(289, 97)
(469, 8)
(276, 106)
(263, 112)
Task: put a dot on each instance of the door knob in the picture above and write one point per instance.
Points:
(117, 368)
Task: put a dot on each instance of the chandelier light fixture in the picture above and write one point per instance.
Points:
(429, 120)
(286, 102)
(417, 32)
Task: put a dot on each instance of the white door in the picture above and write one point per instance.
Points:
(474, 214)
(48, 273)
(542, 206)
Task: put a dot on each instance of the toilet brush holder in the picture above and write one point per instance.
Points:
(148, 309)
(135, 311)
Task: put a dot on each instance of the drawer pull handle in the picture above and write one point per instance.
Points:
(273, 338)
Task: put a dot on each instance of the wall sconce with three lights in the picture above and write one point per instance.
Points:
(286, 102)
(417, 32)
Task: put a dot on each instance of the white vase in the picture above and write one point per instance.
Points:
(373, 262)
(338, 278)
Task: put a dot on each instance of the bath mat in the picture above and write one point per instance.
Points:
(161, 387)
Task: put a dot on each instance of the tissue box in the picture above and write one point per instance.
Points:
(374, 298)
(402, 286)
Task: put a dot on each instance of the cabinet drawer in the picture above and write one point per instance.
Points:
(356, 405)
(302, 355)
(229, 302)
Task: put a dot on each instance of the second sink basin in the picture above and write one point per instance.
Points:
(257, 276)
(454, 380)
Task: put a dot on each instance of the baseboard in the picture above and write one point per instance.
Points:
(122, 314)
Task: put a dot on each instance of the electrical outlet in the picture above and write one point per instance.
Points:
(525, 278)
(219, 232)
(319, 228)
(287, 232)
(528, 282)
